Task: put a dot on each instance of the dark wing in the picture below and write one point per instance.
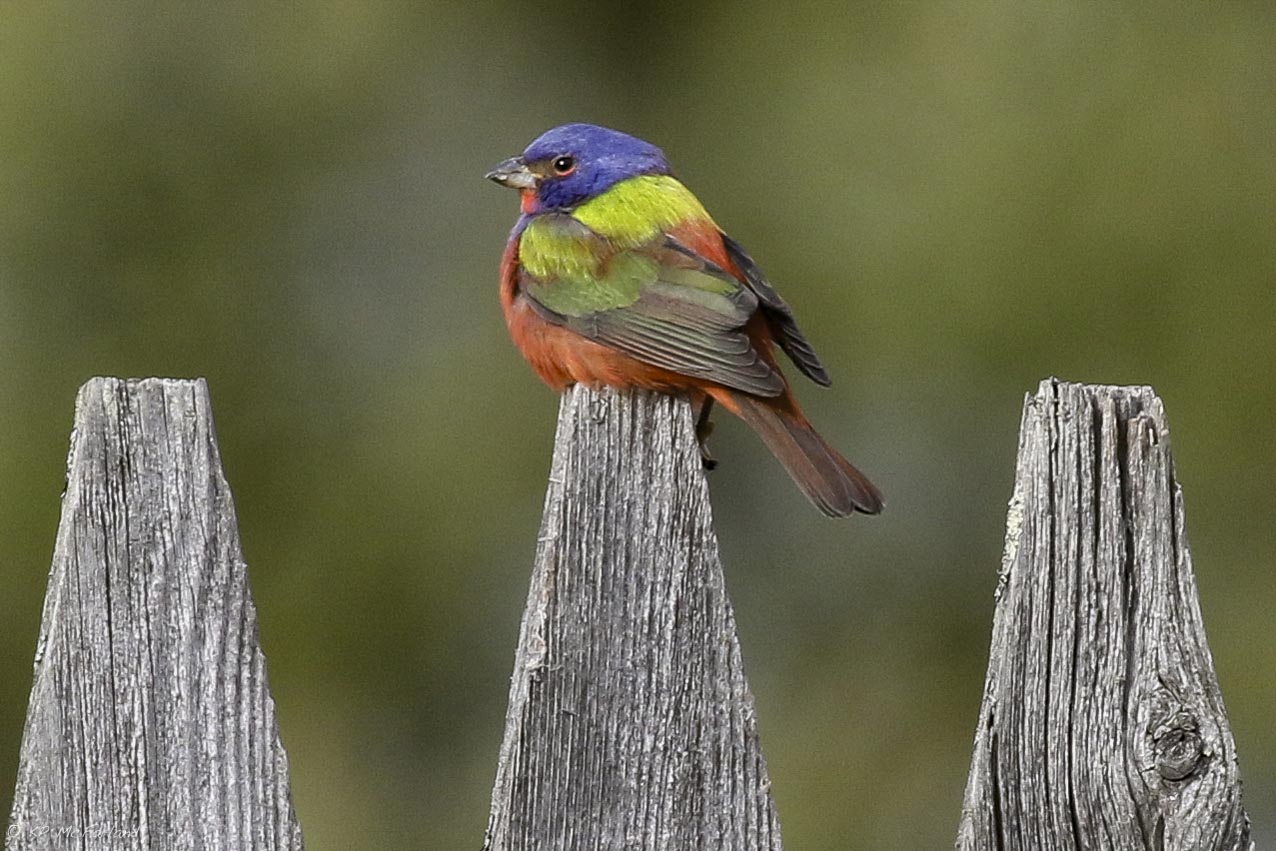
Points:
(672, 309)
(779, 315)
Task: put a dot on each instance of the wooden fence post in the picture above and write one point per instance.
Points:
(1102, 725)
(630, 723)
(150, 724)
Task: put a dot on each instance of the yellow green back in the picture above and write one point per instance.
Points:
(637, 210)
(631, 214)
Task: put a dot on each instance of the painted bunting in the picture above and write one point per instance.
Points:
(616, 275)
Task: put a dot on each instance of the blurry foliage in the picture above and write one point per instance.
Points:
(958, 198)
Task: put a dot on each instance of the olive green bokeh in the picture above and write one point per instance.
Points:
(958, 199)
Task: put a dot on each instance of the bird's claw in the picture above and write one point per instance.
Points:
(704, 428)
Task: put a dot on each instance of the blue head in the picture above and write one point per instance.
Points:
(570, 164)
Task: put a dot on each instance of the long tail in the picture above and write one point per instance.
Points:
(827, 479)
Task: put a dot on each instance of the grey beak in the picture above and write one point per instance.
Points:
(513, 173)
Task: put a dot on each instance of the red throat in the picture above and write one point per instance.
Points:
(529, 200)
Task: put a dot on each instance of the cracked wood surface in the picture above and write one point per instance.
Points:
(630, 723)
(1102, 724)
(150, 724)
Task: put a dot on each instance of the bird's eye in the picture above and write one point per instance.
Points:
(564, 165)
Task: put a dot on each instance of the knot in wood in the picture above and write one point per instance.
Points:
(1179, 749)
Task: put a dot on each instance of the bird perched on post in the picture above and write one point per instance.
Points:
(616, 275)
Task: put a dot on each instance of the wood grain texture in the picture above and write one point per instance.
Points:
(150, 724)
(1102, 724)
(630, 722)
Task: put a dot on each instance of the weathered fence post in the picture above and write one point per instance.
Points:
(1102, 724)
(150, 725)
(630, 722)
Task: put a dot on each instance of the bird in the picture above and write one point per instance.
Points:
(615, 275)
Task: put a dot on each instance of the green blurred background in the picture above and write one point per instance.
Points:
(959, 199)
